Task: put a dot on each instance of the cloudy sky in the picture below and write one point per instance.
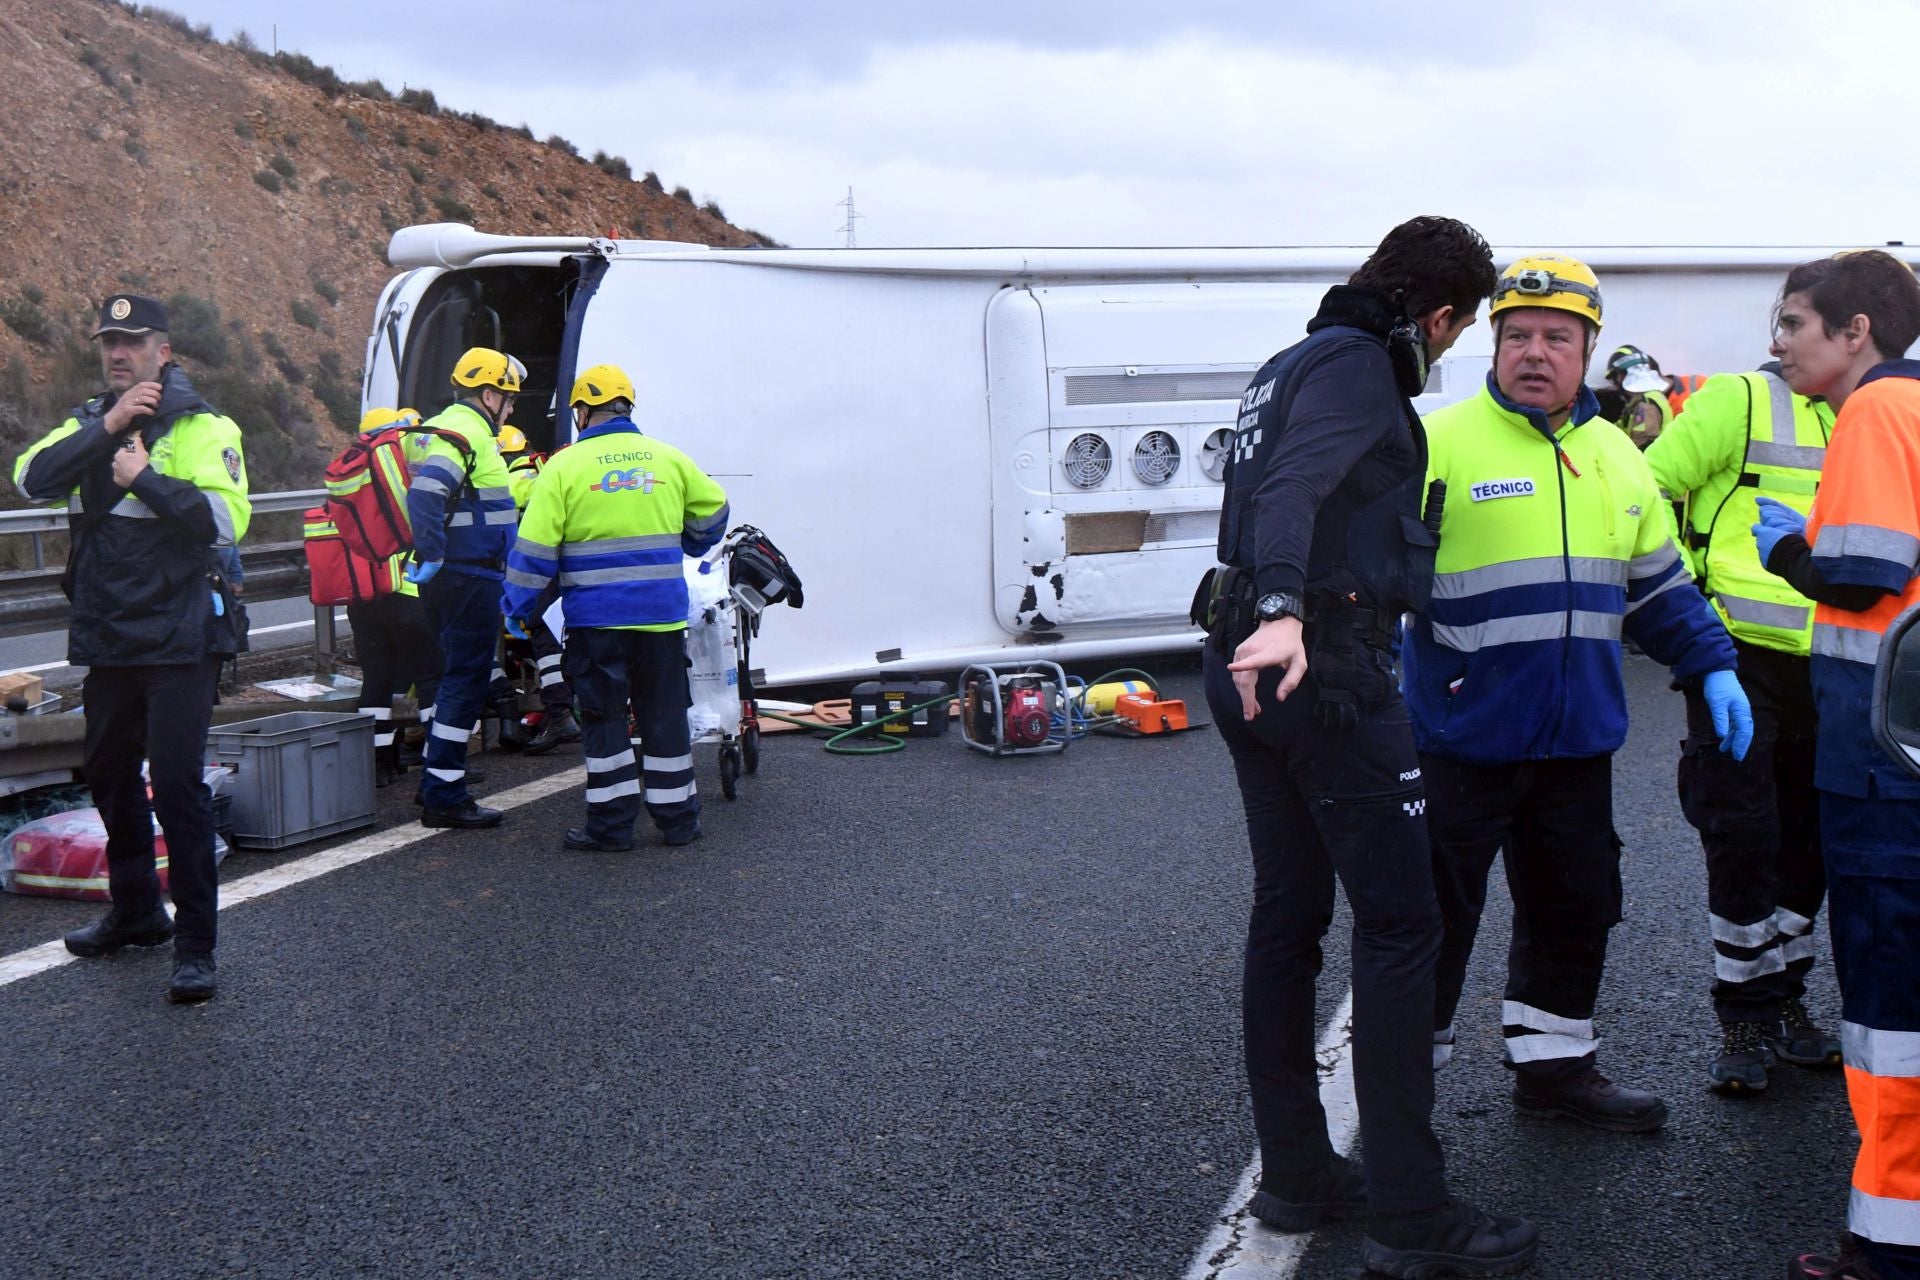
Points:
(1008, 122)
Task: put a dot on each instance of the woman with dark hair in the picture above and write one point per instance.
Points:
(1841, 331)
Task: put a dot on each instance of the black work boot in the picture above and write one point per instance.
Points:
(113, 931)
(192, 977)
(1590, 1098)
(577, 838)
(466, 817)
(387, 768)
(557, 726)
(1301, 1204)
(1797, 1040)
(1744, 1058)
(1849, 1264)
(1454, 1240)
(513, 733)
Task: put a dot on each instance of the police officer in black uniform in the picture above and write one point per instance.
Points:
(157, 487)
(1323, 546)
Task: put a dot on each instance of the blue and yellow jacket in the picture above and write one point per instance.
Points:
(467, 521)
(1551, 545)
(612, 515)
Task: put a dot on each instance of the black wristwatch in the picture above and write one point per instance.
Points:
(1279, 604)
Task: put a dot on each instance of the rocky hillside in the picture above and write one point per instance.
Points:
(255, 195)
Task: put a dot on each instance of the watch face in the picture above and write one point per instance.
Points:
(1273, 606)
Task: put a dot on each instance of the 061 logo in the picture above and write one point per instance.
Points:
(616, 481)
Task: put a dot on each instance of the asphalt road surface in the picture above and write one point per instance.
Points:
(930, 1014)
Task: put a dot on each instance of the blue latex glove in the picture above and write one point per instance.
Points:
(517, 629)
(1766, 537)
(421, 572)
(1732, 713)
(1778, 515)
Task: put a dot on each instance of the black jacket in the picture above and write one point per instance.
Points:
(144, 567)
(1325, 480)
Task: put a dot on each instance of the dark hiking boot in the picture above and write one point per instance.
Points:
(1849, 1264)
(1454, 1240)
(1338, 1191)
(113, 931)
(466, 817)
(1590, 1098)
(577, 838)
(1797, 1040)
(1744, 1058)
(557, 727)
(192, 978)
(387, 768)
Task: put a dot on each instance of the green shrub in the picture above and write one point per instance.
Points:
(428, 147)
(34, 293)
(389, 221)
(291, 140)
(26, 318)
(357, 127)
(327, 291)
(267, 178)
(370, 89)
(712, 207)
(243, 129)
(338, 395)
(492, 193)
(281, 165)
(683, 195)
(614, 166)
(415, 172)
(559, 143)
(399, 137)
(306, 70)
(421, 100)
(244, 43)
(303, 313)
(453, 210)
(651, 182)
(133, 148)
(639, 225)
(96, 62)
(195, 329)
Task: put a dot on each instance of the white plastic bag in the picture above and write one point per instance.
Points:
(713, 654)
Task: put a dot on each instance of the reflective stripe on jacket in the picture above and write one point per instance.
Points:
(1865, 530)
(467, 521)
(1744, 436)
(612, 516)
(1551, 545)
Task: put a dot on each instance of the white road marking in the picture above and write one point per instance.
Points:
(51, 955)
(1238, 1247)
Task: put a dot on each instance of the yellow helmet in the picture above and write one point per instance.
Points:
(1548, 280)
(602, 384)
(380, 419)
(484, 367)
(511, 439)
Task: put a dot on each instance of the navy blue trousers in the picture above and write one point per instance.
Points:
(1873, 911)
(613, 672)
(465, 611)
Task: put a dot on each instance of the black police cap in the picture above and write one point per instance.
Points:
(131, 313)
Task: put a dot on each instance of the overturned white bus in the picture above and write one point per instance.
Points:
(970, 455)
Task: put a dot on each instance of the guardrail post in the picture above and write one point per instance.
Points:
(323, 639)
(39, 553)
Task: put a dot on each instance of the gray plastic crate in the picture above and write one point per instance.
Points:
(297, 776)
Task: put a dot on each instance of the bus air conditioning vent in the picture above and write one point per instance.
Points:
(1087, 460)
(1213, 453)
(1156, 459)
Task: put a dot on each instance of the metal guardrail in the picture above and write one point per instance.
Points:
(31, 600)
